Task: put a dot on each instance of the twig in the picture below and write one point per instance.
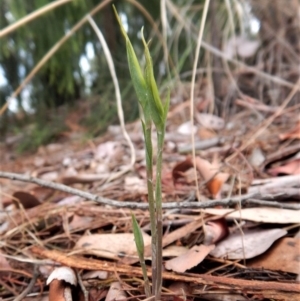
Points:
(254, 201)
(118, 97)
(84, 290)
(202, 279)
(243, 199)
(4, 284)
(30, 285)
(192, 92)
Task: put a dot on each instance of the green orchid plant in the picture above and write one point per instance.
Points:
(154, 112)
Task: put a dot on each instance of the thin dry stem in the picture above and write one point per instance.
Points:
(30, 17)
(118, 98)
(83, 289)
(226, 263)
(192, 92)
(242, 238)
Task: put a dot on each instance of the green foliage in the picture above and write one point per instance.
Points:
(136, 74)
(158, 111)
(138, 237)
(139, 242)
(148, 96)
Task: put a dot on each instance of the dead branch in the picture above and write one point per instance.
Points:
(249, 199)
(218, 281)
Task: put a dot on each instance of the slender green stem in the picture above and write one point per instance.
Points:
(145, 276)
(158, 197)
(151, 199)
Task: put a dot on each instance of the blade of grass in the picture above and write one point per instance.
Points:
(139, 242)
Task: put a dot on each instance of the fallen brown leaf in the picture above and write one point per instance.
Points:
(215, 230)
(180, 168)
(116, 292)
(210, 173)
(113, 246)
(79, 222)
(290, 168)
(26, 199)
(191, 258)
(167, 240)
(283, 256)
(95, 275)
(173, 251)
(252, 243)
(260, 214)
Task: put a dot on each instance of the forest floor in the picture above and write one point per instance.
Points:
(232, 233)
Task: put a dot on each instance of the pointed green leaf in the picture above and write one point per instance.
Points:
(120, 23)
(136, 74)
(138, 237)
(156, 107)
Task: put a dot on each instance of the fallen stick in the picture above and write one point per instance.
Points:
(215, 281)
(251, 198)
